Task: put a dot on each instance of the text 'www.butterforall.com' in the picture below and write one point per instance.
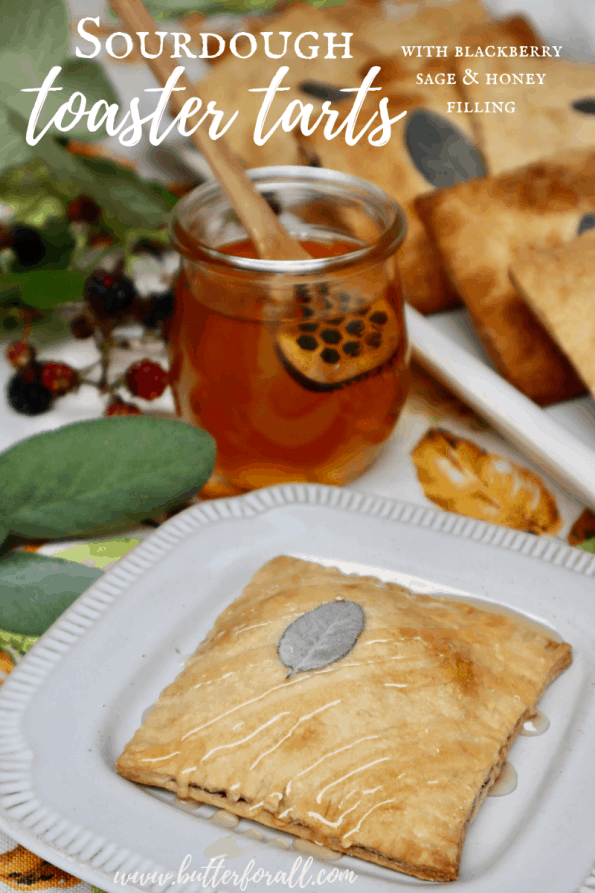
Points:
(299, 877)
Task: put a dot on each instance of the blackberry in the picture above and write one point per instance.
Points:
(28, 397)
(161, 310)
(81, 327)
(27, 244)
(109, 294)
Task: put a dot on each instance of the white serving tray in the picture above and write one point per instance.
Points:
(559, 439)
(70, 706)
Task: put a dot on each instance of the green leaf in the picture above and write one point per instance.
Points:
(162, 9)
(14, 149)
(143, 197)
(126, 201)
(77, 76)
(321, 636)
(587, 545)
(39, 189)
(34, 37)
(20, 644)
(35, 590)
(59, 245)
(48, 283)
(45, 289)
(103, 475)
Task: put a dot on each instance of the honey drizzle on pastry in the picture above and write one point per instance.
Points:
(394, 742)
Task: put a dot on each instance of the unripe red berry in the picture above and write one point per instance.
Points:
(118, 407)
(20, 354)
(146, 379)
(84, 209)
(59, 378)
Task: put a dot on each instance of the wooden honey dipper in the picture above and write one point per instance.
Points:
(269, 237)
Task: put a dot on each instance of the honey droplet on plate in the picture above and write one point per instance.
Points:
(315, 850)
(224, 819)
(537, 725)
(252, 832)
(186, 805)
(505, 783)
(279, 842)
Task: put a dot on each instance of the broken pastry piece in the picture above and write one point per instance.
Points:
(559, 284)
(481, 227)
(375, 725)
(546, 93)
(425, 151)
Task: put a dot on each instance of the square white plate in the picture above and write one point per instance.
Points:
(70, 706)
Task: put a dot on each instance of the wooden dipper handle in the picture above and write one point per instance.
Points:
(270, 239)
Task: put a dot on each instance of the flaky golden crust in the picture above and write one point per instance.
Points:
(384, 754)
(558, 286)
(481, 227)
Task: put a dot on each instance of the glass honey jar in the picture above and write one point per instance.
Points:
(299, 369)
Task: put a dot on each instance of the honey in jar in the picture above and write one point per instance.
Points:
(298, 369)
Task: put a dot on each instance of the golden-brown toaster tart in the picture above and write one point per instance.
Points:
(546, 92)
(385, 753)
(229, 83)
(559, 285)
(393, 168)
(481, 227)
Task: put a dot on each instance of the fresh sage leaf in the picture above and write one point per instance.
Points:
(126, 201)
(14, 149)
(161, 9)
(35, 36)
(321, 636)
(102, 475)
(35, 590)
(28, 190)
(77, 76)
(441, 152)
(45, 289)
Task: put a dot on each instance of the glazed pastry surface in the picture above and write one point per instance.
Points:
(384, 754)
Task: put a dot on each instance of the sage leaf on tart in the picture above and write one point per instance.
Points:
(441, 152)
(321, 90)
(321, 636)
(586, 223)
(102, 475)
(35, 590)
(585, 105)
